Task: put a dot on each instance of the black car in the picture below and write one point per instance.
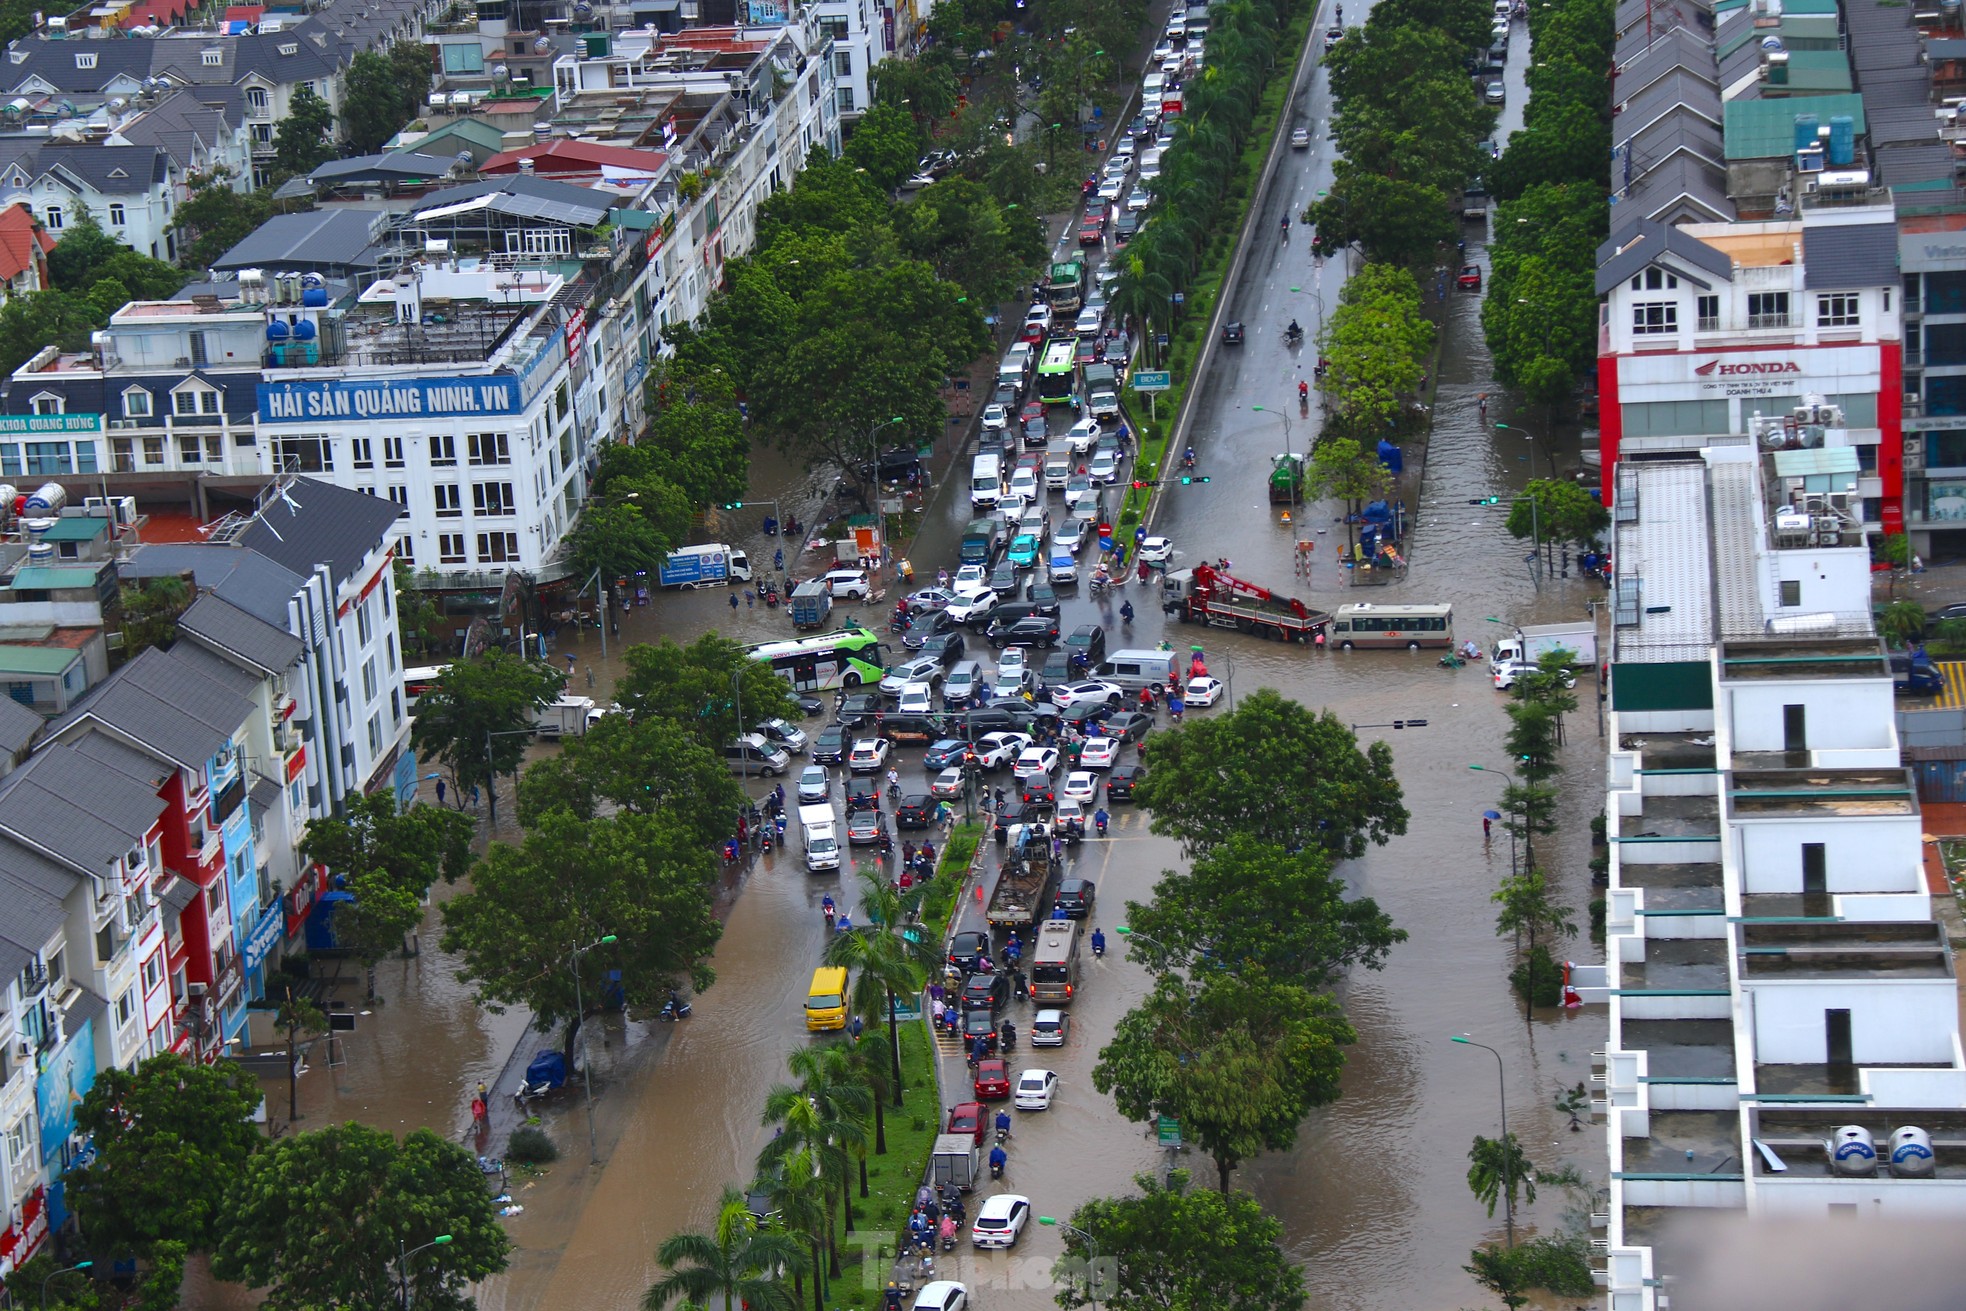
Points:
(925, 625)
(862, 796)
(913, 730)
(967, 949)
(1038, 790)
(1042, 597)
(1003, 579)
(946, 647)
(1010, 813)
(832, 744)
(810, 705)
(1091, 639)
(1004, 613)
(915, 810)
(986, 992)
(1074, 901)
(1031, 630)
(949, 751)
(980, 1023)
(1122, 780)
(856, 705)
(1232, 334)
(1056, 669)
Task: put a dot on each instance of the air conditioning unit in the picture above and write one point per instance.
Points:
(24, 1050)
(121, 425)
(196, 991)
(1914, 457)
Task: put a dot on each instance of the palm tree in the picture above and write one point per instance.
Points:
(791, 1181)
(737, 1262)
(1498, 1170)
(888, 956)
(819, 1128)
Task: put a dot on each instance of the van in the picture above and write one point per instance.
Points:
(1011, 374)
(986, 481)
(1150, 86)
(964, 684)
(1055, 962)
(983, 541)
(751, 754)
(1137, 669)
(826, 999)
(1057, 470)
(821, 835)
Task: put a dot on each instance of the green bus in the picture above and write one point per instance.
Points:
(1055, 372)
(850, 657)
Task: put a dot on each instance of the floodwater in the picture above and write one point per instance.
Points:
(1373, 1197)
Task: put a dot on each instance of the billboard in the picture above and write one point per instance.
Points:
(415, 398)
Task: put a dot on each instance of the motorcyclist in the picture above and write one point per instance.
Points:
(1100, 819)
(1126, 612)
(1009, 1035)
(1098, 942)
(1286, 225)
(998, 1159)
(1003, 1125)
(828, 909)
(1188, 457)
(1293, 330)
(1303, 390)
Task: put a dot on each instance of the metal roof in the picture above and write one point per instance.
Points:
(19, 726)
(318, 523)
(54, 577)
(1765, 129)
(1646, 242)
(259, 586)
(67, 805)
(20, 658)
(319, 241)
(77, 528)
(402, 166)
(218, 623)
(1849, 255)
(1810, 72)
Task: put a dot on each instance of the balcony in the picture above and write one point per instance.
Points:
(207, 845)
(1757, 322)
(1707, 323)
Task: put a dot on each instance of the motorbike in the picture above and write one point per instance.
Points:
(949, 1230)
(1188, 458)
(547, 1071)
(1009, 1037)
(674, 1009)
(1101, 586)
(1452, 661)
(1099, 947)
(1293, 336)
(996, 1170)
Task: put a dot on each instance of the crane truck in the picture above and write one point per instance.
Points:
(1210, 595)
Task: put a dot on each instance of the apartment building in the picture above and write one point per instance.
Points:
(1784, 1034)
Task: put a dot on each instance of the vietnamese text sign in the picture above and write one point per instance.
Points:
(29, 425)
(416, 398)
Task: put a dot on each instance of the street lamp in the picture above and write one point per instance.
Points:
(580, 1018)
(403, 1266)
(1091, 1246)
(1509, 427)
(1491, 769)
(80, 1265)
(1501, 1084)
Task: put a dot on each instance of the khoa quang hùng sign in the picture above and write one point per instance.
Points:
(416, 398)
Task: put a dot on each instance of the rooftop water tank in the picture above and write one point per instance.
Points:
(49, 498)
(1911, 1153)
(317, 297)
(41, 553)
(1842, 141)
(1853, 1153)
(1805, 131)
(303, 331)
(276, 330)
(38, 528)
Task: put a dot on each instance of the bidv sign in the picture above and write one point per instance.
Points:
(423, 398)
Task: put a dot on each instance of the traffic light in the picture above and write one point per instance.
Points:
(733, 505)
(1199, 478)
(1486, 500)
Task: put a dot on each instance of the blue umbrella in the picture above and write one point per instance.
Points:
(1491, 814)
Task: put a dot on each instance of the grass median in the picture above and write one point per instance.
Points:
(867, 1254)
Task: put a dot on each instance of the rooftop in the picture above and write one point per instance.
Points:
(44, 661)
(1799, 1137)
(1761, 794)
(1663, 606)
(1833, 949)
(1745, 661)
(1765, 129)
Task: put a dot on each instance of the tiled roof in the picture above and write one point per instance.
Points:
(110, 170)
(1849, 255)
(22, 240)
(1646, 242)
(257, 585)
(69, 806)
(166, 706)
(19, 726)
(318, 523)
(217, 623)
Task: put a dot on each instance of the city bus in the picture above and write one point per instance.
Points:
(847, 658)
(1055, 372)
(1055, 962)
(419, 679)
(1383, 624)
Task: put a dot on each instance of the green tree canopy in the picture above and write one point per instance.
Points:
(886, 143)
(1239, 1062)
(698, 687)
(151, 610)
(322, 1219)
(737, 1264)
(1277, 772)
(479, 714)
(33, 322)
(305, 139)
(644, 878)
(169, 1137)
(216, 217)
(640, 764)
(1175, 1249)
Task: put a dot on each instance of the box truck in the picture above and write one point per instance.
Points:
(714, 564)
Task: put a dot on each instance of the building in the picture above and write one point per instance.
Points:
(338, 244)
(1773, 972)
(1707, 325)
(24, 247)
(205, 131)
(131, 190)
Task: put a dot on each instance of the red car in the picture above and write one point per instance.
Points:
(1033, 410)
(967, 1117)
(1470, 279)
(1092, 231)
(992, 1081)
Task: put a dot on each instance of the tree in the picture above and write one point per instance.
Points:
(1500, 1172)
(323, 1219)
(77, 259)
(305, 139)
(386, 859)
(1173, 1249)
(645, 879)
(1531, 912)
(700, 686)
(1277, 772)
(696, 438)
(215, 218)
(1239, 1062)
(293, 1016)
(737, 1263)
(151, 610)
(636, 764)
(1902, 622)
(616, 540)
(479, 714)
(1563, 512)
(1247, 902)
(957, 227)
(1496, 1270)
(417, 615)
(926, 91)
(819, 1119)
(886, 959)
(42, 1280)
(169, 1136)
(31, 323)
(372, 102)
(411, 66)
(1345, 471)
(886, 143)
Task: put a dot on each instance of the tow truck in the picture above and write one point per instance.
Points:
(1209, 595)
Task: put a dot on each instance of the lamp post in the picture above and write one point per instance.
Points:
(1490, 769)
(80, 1265)
(403, 1266)
(1502, 1086)
(580, 1018)
(1091, 1246)
(491, 774)
(1531, 438)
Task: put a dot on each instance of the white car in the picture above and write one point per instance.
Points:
(1010, 505)
(868, 755)
(1034, 1089)
(922, 669)
(1081, 785)
(1079, 488)
(815, 785)
(995, 418)
(1024, 483)
(1070, 535)
(1082, 435)
(1012, 666)
(1139, 198)
(1150, 164)
(1203, 691)
(849, 583)
(942, 1295)
(1032, 761)
(1000, 1220)
(1508, 671)
(1050, 1028)
(995, 750)
(1088, 322)
(971, 576)
(1118, 166)
(1099, 752)
(917, 699)
(1105, 469)
(1068, 696)
(970, 606)
(1113, 187)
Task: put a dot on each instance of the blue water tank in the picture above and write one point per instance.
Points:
(277, 330)
(1842, 141)
(314, 296)
(1805, 131)
(303, 331)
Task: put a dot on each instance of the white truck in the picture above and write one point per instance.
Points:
(713, 564)
(1529, 642)
(821, 834)
(567, 717)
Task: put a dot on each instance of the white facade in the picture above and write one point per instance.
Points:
(135, 206)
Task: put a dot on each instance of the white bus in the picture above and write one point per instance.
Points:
(1383, 624)
(850, 657)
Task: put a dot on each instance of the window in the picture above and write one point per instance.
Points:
(47, 403)
(1675, 418)
(212, 58)
(450, 502)
(443, 449)
(1768, 309)
(153, 973)
(106, 942)
(153, 450)
(195, 400)
(117, 215)
(1791, 591)
(361, 453)
(400, 494)
(20, 1145)
(364, 625)
(136, 404)
(262, 134)
(368, 679)
(1707, 308)
(126, 1007)
(492, 498)
(392, 453)
(48, 458)
(1837, 311)
(1655, 280)
(498, 548)
(396, 706)
(1655, 316)
(843, 63)
(389, 650)
(189, 449)
(86, 61)
(488, 448)
(406, 551)
(257, 99)
(464, 58)
(450, 548)
(54, 220)
(375, 734)
(843, 97)
(307, 453)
